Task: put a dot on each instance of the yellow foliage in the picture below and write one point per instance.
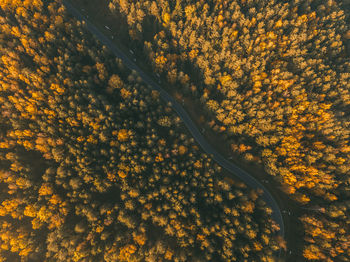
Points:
(21, 182)
(57, 88)
(123, 135)
(200, 237)
(25, 252)
(271, 35)
(111, 177)
(302, 198)
(121, 174)
(4, 145)
(125, 93)
(113, 143)
(234, 34)
(344, 149)
(331, 197)
(3, 211)
(340, 161)
(45, 190)
(92, 140)
(31, 109)
(166, 18)
(262, 45)
(257, 84)
(278, 24)
(44, 214)
(42, 148)
(193, 53)
(115, 82)
(16, 241)
(28, 145)
(257, 246)
(55, 221)
(302, 18)
(133, 193)
(10, 207)
(225, 79)
(36, 223)
(49, 36)
(312, 252)
(160, 60)
(15, 31)
(77, 256)
(126, 251)
(182, 150)
(220, 18)
(168, 254)
(325, 106)
(30, 211)
(140, 239)
(198, 164)
(59, 21)
(55, 199)
(189, 10)
(123, 167)
(95, 126)
(159, 158)
(162, 142)
(3, 247)
(148, 206)
(248, 207)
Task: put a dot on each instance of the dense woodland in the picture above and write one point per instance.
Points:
(93, 167)
(275, 76)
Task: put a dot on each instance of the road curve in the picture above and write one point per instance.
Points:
(222, 161)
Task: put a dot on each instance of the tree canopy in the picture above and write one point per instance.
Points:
(94, 167)
(274, 77)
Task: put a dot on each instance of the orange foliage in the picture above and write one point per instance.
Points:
(168, 254)
(159, 158)
(122, 174)
(126, 251)
(111, 177)
(160, 61)
(140, 239)
(198, 164)
(45, 190)
(312, 252)
(125, 93)
(182, 150)
(123, 135)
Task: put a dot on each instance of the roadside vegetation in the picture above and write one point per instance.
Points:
(93, 167)
(274, 77)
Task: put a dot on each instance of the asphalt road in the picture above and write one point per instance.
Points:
(234, 170)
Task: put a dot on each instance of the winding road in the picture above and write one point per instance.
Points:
(234, 170)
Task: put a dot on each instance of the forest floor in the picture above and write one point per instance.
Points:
(97, 12)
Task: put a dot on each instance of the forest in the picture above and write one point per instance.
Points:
(273, 76)
(95, 167)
